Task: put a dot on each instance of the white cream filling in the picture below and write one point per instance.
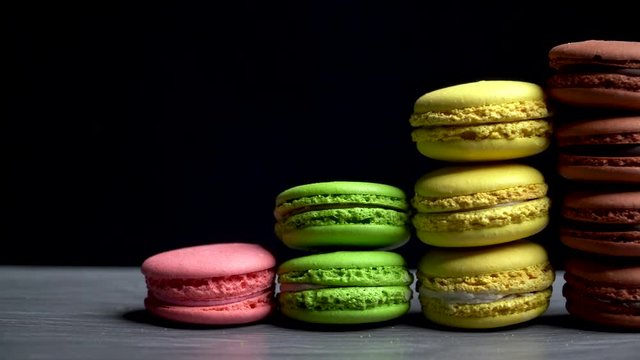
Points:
(461, 297)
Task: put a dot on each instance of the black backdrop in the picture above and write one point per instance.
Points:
(133, 128)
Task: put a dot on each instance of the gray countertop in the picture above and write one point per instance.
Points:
(97, 313)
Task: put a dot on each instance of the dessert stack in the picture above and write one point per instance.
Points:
(348, 275)
(595, 87)
(482, 203)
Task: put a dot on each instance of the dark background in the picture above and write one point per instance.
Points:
(132, 128)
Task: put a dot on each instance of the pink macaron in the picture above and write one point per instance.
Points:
(216, 284)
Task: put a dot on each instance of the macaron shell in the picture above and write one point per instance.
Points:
(248, 311)
(477, 94)
(484, 237)
(208, 261)
(605, 170)
(627, 98)
(439, 262)
(343, 259)
(339, 188)
(461, 180)
(483, 150)
(347, 236)
(347, 305)
(373, 315)
(624, 273)
(599, 131)
(601, 52)
(621, 207)
(610, 244)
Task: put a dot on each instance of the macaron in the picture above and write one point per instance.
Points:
(482, 288)
(478, 205)
(342, 215)
(603, 290)
(213, 284)
(596, 73)
(345, 287)
(600, 150)
(605, 221)
(482, 121)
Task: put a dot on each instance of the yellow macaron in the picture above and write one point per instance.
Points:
(486, 287)
(478, 205)
(482, 121)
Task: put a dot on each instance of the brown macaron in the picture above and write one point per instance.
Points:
(602, 222)
(603, 291)
(596, 73)
(603, 150)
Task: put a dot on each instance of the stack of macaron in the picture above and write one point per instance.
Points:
(595, 85)
(479, 208)
(349, 275)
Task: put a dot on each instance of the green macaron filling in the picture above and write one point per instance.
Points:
(369, 276)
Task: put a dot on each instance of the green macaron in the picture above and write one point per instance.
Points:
(345, 287)
(342, 215)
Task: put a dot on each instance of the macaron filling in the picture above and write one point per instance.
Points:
(600, 227)
(503, 307)
(462, 297)
(614, 150)
(599, 68)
